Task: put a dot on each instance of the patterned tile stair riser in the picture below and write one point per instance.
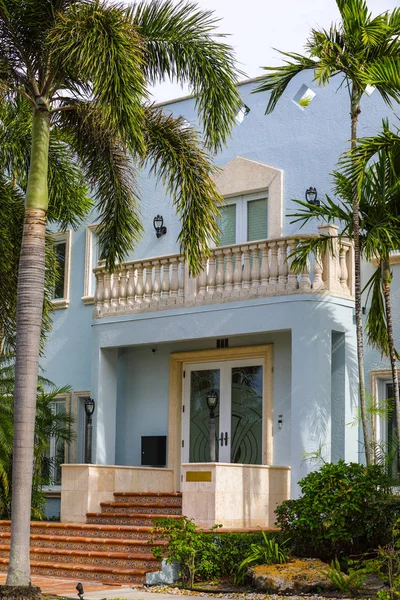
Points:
(102, 559)
(135, 520)
(139, 508)
(111, 547)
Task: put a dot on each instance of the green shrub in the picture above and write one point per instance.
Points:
(344, 509)
(204, 556)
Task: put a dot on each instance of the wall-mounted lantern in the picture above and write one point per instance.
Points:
(158, 224)
(312, 196)
(89, 410)
(212, 401)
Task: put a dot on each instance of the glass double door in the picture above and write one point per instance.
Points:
(238, 415)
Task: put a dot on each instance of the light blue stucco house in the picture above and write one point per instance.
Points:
(150, 342)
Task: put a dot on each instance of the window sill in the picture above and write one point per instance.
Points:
(52, 491)
(87, 299)
(60, 303)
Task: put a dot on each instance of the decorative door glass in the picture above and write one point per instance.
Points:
(202, 382)
(246, 423)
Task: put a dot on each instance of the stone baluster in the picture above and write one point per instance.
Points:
(318, 283)
(147, 281)
(246, 267)
(282, 266)
(274, 269)
(165, 284)
(181, 273)
(344, 273)
(123, 286)
(228, 270)
(237, 273)
(174, 277)
(305, 282)
(202, 281)
(107, 291)
(139, 283)
(211, 275)
(255, 267)
(292, 283)
(115, 290)
(219, 278)
(99, 293)
(264, 271)
(130, 285)
(157, 280)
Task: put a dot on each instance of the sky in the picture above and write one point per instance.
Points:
(258, 26)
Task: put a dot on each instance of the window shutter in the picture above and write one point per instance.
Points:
(257, 223)
(227, 225)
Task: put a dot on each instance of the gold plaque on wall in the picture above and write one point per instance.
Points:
(198, 476)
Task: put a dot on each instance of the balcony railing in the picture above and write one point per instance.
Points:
(243, 271)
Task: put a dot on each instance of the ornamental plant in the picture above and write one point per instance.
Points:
(345, 508)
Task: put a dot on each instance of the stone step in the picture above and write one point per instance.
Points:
(118, 560)
(140, 508)
(165, 498)
(80, 572)
(84, 530)
(128, 519)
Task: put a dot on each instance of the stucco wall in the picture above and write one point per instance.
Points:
(143, 388)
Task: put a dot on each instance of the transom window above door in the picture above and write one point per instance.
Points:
(244, 219)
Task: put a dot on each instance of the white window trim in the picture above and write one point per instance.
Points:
(57, 488)
(62, 236)
(242, 176)
(379, 379)
(88, 298)
(241, 213)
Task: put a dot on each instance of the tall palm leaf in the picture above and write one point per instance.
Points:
(84, 67)
(363, 50)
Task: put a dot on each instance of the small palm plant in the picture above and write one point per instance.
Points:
(270, 552)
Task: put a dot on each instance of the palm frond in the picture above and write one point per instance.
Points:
(110, 172)
(97, 45)
(181, 44)
(175, 155)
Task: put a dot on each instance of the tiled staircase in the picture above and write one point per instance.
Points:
(113, 546)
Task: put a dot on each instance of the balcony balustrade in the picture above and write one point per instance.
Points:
(232, 273)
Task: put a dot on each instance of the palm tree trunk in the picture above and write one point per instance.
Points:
(386, 283)
(355, 111)
(31, 277)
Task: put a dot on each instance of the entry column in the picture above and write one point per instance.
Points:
(104, 390)
(311, 399)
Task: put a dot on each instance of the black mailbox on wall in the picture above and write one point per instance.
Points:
(154, 450)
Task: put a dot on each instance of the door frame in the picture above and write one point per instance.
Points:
(178, 359)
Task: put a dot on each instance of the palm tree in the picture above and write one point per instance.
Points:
(84, 68)
(363, 50)
(378, 211)
(48, 424)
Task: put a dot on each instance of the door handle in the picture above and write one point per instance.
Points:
(226, 438)
(221, 439)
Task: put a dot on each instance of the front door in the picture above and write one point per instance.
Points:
(238, 414)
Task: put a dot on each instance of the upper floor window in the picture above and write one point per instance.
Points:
(244, 219)
(62, 242)
(92, 255)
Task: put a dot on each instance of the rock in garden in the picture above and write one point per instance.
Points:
(297, 576)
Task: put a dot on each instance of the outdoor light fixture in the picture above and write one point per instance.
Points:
(312, 196)
(158, 224)
(79, 587)
(89, 410)
(212, 401)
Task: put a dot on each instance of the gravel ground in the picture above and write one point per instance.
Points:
(176, 591)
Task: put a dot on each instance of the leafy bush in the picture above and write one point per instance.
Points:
(345, 583)
(204, 556)
(267, 553)
(344, 509)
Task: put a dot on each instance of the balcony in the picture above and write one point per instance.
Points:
(232, 273)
